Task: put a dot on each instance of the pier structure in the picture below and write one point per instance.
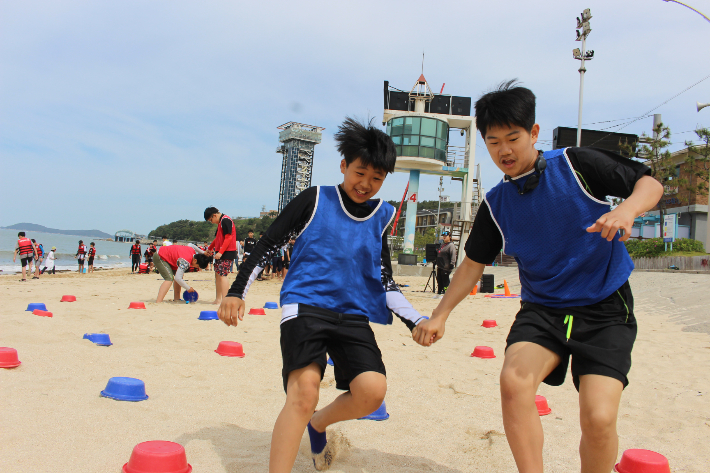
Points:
(297, 148)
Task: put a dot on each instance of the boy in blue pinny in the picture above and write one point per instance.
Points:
(548, 213)
(339, 280)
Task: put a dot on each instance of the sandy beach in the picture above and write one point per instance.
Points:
(444, 405)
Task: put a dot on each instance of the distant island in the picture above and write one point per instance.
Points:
(32, 227)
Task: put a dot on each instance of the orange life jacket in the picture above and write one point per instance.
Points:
(25, 245)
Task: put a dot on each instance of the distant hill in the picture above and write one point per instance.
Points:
(32, 227)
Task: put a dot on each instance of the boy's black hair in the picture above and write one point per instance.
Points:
(508, 105)
(21, 234)
(364, 141)
(164, 238)
(250, 231)
(202, 260)
(210, 211)
(92, 244)
(33, 240)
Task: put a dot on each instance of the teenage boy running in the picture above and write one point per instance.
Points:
(576, 300)
(340, 280)
(224, 249)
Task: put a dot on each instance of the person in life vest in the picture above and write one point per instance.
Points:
(224, 249)
(135, 253)
(149, 254)
(49, 261)
(26, 249)
(39, 254)
(92, 254)
(80, 255)
(172, 262)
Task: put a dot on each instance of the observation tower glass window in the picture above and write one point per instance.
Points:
(419, 137)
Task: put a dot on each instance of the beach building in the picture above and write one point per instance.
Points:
(299, 142)
(691, 207)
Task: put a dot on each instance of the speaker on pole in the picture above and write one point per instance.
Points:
(432, 251)
(701, 105)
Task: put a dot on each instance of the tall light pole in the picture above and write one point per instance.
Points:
(583, 30)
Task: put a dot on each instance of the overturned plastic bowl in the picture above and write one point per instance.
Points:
(136, 305)
(489, 324)
(379, 414)
(42, 313)
(125, 389)
(256, 311)
(234, 349)
(68, 299)
(8, 358)
(208, 315)
(541, 403)
(102, 339)
(483, 352)
(638, 460)
(158, 456)
(271, 305)
(35, 305)
(190, 296)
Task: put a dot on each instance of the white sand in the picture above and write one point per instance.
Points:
(444, 405)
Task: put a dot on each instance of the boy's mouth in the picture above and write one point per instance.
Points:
(508, 163)
(360, 193)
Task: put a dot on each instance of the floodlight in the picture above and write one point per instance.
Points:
(577, 53)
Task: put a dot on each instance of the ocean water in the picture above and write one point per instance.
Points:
(110, 254)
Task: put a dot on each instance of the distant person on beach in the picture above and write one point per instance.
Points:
(80, 255)
(223, 248)
(172, 262)
(550, 212)
(149, 252)
(166, 242)
(287, 255)
(135, 253)
(49, 261)
(39, 255)
(445, 262)
(92, 254)
(26, 249)
(340, 281)
(249, 244)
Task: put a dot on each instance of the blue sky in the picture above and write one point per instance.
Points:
(133, 114)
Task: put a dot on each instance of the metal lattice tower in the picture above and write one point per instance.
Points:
(299, 141)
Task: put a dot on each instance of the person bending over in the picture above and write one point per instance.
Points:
(340, 280)
(550, 213)
(172, 262)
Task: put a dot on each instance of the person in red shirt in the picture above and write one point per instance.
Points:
(172, 262)
(224, 248)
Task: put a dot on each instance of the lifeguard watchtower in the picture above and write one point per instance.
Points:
(419, 123)
(299, 142)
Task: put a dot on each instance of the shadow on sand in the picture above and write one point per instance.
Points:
(245, 450)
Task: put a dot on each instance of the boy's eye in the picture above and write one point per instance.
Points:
(514, 139)
(359, 174)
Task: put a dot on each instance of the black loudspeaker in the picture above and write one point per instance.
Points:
(461, 106)
(488, 283)
(432, 251)
(440, 104)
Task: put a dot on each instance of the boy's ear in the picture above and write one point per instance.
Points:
(343, 166)
(535, 133)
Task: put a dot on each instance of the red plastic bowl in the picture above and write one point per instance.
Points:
(483, 352)
(8, 358)
(637, 460)
(489, 323)
(542, 408)
(230, 349)
(68, 299)
(257, 311)
(42, 313)
(136, 305)
(158, 456)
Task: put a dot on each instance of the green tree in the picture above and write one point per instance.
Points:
(694, 180)
(420, 240)
(185, 230)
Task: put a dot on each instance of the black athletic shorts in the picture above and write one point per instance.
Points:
(91, 260)
(599, 337)
(287, 264)
(348, 339)
(26, 261)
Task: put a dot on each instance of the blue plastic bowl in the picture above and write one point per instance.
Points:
(125, 389)
(36, 305)
(379, 414)
(208, 315)
(271, 305)
(190, 296)
(102, 339)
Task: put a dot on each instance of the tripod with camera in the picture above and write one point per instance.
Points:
(432, 251)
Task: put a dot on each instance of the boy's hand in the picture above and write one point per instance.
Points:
(217, 255)
(191, 289)
(611, 222)
(428, 332)
(231, 310)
